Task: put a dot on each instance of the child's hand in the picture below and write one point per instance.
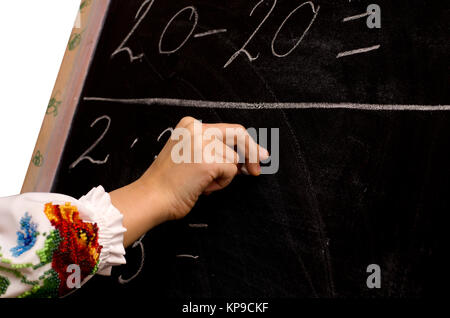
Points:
(169, 190)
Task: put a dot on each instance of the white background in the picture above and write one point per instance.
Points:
(33, 40)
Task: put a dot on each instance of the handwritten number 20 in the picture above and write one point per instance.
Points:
(274, 52)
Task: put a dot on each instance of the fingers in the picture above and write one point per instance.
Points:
(224, 165)
(225, 173)
(217, 152)
(237, 136)
(223, 161)
(232, 136)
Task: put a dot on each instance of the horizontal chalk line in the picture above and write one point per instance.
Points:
(235, 105)
(358, 51)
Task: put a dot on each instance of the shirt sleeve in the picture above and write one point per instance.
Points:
(50, 244)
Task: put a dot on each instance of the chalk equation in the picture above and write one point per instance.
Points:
(194, 18)
(191, 13)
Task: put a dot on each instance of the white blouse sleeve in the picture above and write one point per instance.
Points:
(50, 244)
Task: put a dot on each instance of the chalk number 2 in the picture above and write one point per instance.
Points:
(85, 154)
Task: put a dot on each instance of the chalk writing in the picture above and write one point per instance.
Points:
(373, 21)
(194, 14)
(198, 226)
(170, 129)
(194, 18)
(134, 142)
(241, 105)
(314, 10)
(187, 256)
(211, 32)
(122, 47)
(243, 48)
(141, 266)
(85, 156)
(358, 51)
(355, 17)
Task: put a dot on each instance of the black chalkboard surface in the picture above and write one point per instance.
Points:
(364, 144)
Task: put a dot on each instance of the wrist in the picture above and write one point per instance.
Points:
(152, 199)
(141, 207)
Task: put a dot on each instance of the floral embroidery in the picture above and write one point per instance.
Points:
(48, 289)
(7, 266)
(71, 242)
(50, 280)
(50, 246)
(78, 245)
(25, 238)
(4, 283)
(48, 283)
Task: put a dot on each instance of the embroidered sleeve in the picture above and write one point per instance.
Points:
(50, 244)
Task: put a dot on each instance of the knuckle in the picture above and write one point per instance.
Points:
(190, 126)
(239, 127)
(185, 121)
(233, 169)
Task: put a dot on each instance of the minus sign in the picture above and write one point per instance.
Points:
(201, 225)
(211, 32)
(187, 256)
(355, 17)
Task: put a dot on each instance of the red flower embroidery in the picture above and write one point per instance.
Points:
(79, 244)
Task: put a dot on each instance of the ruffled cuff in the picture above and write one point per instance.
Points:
(111, 230)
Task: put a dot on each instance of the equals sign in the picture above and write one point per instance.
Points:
(211, 32)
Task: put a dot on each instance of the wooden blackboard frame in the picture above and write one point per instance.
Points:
(65, 96)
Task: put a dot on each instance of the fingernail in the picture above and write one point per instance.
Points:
(263, 154)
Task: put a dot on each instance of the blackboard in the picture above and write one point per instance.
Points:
(364, 144)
